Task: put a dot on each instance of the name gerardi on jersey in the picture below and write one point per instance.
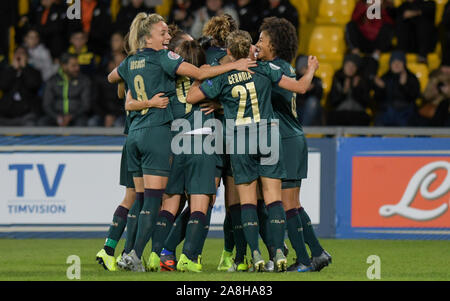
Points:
(137, 64)
(239, 77)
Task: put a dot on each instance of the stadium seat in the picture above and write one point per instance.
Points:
(440, 5)
(421, 71)
(328, 44)
(434, 61)
(325, 73)
(302, 7)
(397, 3)
(164, 8)
(337, 12)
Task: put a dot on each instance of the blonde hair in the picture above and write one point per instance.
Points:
(140, 28)
(219, 27)
(239, 42)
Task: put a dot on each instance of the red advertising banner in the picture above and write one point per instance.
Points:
(401, 192)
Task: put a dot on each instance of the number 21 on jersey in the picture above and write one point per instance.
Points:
(242, 92)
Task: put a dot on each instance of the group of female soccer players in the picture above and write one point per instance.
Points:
(171, 80)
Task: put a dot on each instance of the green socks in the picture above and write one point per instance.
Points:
(147, 218)
(309, 234)
(295, 234)
(163, 226)
(238, 232)
(277, 224)
(116, 229)
(228, 233)
(132, 222)
(194, 234)
(176, 235)
(263, 219)
(205, 231)
(249, 218)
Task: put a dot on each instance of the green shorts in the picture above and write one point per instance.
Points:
(126, 177)
(149, 152)
(295, 151)
(248, 159)
(193, 174)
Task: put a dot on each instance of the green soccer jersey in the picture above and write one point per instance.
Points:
(183, 110)
(284, 105)
(215, 53)
(245, 96)
(129, 114)
(147, 73)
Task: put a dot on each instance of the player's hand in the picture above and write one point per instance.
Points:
(313, 63)
(158, 101)
(66, 120)
(210, 106)
(244, 65)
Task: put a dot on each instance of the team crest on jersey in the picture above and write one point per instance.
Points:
(274, 67)
(172, 55)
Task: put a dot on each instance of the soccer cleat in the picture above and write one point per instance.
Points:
(121, 261)
(280, 261)
(108, 262)
(269, 266)
(321, 261)
(226, 261)
(258, 261)
(133, 262)
(242, 266)
(299, 267)
(153, 262)
(285, 250)
(168, 262)
(187, 265)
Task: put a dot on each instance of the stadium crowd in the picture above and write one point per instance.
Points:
(56, 75)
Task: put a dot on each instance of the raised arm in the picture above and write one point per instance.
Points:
(114, 77)
(301, 86)
(189, 70)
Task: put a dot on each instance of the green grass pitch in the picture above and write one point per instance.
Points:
(45, 260)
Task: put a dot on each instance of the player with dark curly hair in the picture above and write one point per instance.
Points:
(278, 45)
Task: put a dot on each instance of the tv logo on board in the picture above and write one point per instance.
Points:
(421, 180)
(49, 189)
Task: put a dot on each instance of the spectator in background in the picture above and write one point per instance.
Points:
(446, 36)
(127, 14)
(211, 9)
(50, 19)
(309, 110)
(182, 15)
(248, 17)
(349, 96)
(117, 46)
(87, 59)
(416, 32)
(39, 55)
(434, 110)
(96, 23)
(369, 36)
(20, 83)
(67, 95)
(107, 107)
(281, 9)
(396, 93)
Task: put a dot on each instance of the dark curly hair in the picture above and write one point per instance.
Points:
(283, 37)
